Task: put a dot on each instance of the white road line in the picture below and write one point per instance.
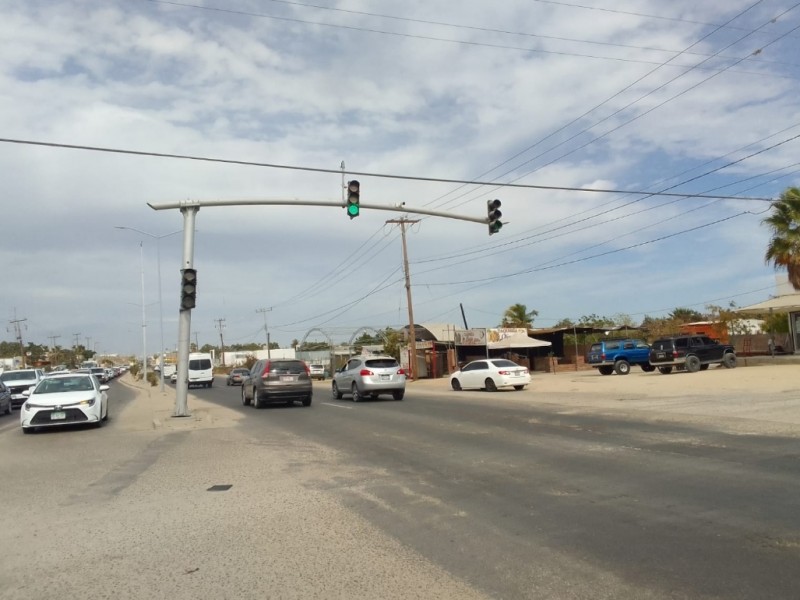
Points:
(336, 405)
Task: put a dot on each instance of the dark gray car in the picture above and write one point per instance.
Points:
(277, 381)
(5, 398)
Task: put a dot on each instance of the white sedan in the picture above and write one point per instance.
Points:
(64, 400)
(490, 374)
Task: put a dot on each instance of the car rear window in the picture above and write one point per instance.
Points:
(382, 363)
(662, 345)
(287, 366)
(596, 348)
(504, 363)
(200, 364)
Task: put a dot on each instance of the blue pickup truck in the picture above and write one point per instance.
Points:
(617, 355)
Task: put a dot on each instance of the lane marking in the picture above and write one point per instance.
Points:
(336, 405)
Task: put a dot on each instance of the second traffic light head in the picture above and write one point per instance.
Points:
(493, 216)
(353, 198)
(188, 288)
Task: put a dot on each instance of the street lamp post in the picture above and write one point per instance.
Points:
(157, 238)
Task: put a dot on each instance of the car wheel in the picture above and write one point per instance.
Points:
(665, 370)
(27, 430)
(245, 400)
(647, 367)
(257, 403)
(356, 394)
(398, 394)
(337, 395)
(729, 360)
(455, 384)
(692, 364)
(8, 408)
(519, 387)
(307, 400)
(622, 367)
(606, 370)
(703, 367)
(490, 385)
(105, 418)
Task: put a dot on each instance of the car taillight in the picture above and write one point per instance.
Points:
(504, 372)
(308, 371)
(366, 372)
(401, 372)
(674, 354)
(603, 356)
(266, 369)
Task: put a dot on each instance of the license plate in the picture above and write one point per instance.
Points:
(385, 377)
(287, 378)
(58, 416)
(661, 355)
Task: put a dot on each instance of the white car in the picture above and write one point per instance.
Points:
(490, 374)
(64, 400)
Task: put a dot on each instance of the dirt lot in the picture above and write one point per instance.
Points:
(756, 399)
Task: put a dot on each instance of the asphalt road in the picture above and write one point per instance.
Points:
(525, 501)
(441, 495)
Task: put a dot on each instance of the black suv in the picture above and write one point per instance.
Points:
(690, 352)
(618, 355)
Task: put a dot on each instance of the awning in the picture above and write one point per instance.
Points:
(780, 304)
(518, 340)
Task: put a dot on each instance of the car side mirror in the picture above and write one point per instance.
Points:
(26, 393)
(103, 388)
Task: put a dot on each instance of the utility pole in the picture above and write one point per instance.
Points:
(17, 324)
(264, 312)
(221, 325)
(412, 335)
(53, 339)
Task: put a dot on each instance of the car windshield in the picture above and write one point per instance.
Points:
(18, 375)
(57, 385)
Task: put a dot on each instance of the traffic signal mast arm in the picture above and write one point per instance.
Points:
(297, 202)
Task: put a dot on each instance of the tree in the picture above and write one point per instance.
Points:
(783, 249)
(686, 315)
(518, 315)
(393, 342)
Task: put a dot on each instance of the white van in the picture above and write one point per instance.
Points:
(200, 369)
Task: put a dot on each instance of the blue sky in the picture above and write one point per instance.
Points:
(628, 95)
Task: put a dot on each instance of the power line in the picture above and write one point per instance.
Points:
(361, 173)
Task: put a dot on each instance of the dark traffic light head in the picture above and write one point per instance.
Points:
(188, 288)
(493, 216)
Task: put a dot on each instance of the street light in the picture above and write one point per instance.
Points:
(157, 238)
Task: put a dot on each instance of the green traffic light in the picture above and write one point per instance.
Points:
(352, 210)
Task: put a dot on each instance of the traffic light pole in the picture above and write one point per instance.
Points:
(185, 318)
(189, 209)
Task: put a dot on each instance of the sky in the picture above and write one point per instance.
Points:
(686, 97)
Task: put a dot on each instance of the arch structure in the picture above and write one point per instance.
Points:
(312, 330)
(377, 332)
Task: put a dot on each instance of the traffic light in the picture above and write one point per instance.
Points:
(188, 288)
(353, 193)
(493, 215)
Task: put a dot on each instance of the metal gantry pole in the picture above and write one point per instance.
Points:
(185, 317)
(160, 314)
(144, 320)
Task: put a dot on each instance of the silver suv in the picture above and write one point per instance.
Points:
(277, 380)
(369, 376)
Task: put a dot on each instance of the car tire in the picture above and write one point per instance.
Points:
(704, 367)
(622, 367)
(398, 394)
(357, 397)
(307, 400)
(337, 395)
(105, 418)
(665, 370)
(519, 388)
(27, 430)
(606, 370)
(729, 360)
(647, 367)
(692, 364)
(490, 385)
(456, 385)
(8, 408)
(245, 400)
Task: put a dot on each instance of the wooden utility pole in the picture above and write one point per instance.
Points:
(412, 334)
(17, 324)
(221, 324)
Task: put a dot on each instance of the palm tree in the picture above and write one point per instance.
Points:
(783, 249)
(518, 315)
